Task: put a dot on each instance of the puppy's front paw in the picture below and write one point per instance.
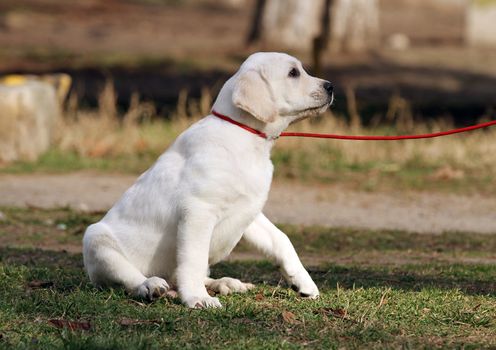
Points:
(202, 302)
(152, 288)
(307, 291)
(303, 284)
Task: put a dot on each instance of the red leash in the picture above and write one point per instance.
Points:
(357, 137)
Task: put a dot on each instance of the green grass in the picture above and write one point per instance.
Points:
(383, 289)
(375, 307)
(55, 161)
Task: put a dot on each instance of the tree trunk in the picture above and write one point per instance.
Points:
(291, 24)
(354, 25)
(320, 42)
(256, 23)
(349, 25)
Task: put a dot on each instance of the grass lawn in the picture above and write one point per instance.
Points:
(385, 289)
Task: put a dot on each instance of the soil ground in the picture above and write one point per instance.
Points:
(289, 202)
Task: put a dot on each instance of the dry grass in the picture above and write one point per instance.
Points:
(470, 151)
(103, 133)
(475, 150)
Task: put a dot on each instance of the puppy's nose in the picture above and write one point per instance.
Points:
(328, 87)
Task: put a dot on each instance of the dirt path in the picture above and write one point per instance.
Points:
(327, 205)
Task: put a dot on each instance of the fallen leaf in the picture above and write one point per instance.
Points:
(72, 325)
(259, 297)
(35, 284)
(132, 322)
(340, 313)
(289, 317)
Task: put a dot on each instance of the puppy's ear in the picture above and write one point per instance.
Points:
(252, 95)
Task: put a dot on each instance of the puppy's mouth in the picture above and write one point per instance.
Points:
(312, 111)
(319, 109)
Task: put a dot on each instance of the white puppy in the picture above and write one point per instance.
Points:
(207, 191)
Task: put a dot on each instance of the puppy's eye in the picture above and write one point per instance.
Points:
(294, 73)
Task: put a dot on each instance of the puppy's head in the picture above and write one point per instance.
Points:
(274, 87)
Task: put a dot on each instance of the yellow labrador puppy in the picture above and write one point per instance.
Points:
(207, 191)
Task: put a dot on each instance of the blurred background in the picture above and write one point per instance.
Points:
(400, 236)
(108, 84)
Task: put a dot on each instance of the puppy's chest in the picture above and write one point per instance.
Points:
(246, 182)
(246, 193)
(243, 202)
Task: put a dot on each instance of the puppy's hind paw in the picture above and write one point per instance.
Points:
(228, 285)
(152, 288)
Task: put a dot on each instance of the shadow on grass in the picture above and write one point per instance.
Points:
(473, 279)
(66, 272)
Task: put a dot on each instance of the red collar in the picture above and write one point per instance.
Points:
(241, 125)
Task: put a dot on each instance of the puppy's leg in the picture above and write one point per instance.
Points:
(193, 245)
(106, 265)
(274, 243)
(227, 285)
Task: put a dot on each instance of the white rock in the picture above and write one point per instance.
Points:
(28, 114)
